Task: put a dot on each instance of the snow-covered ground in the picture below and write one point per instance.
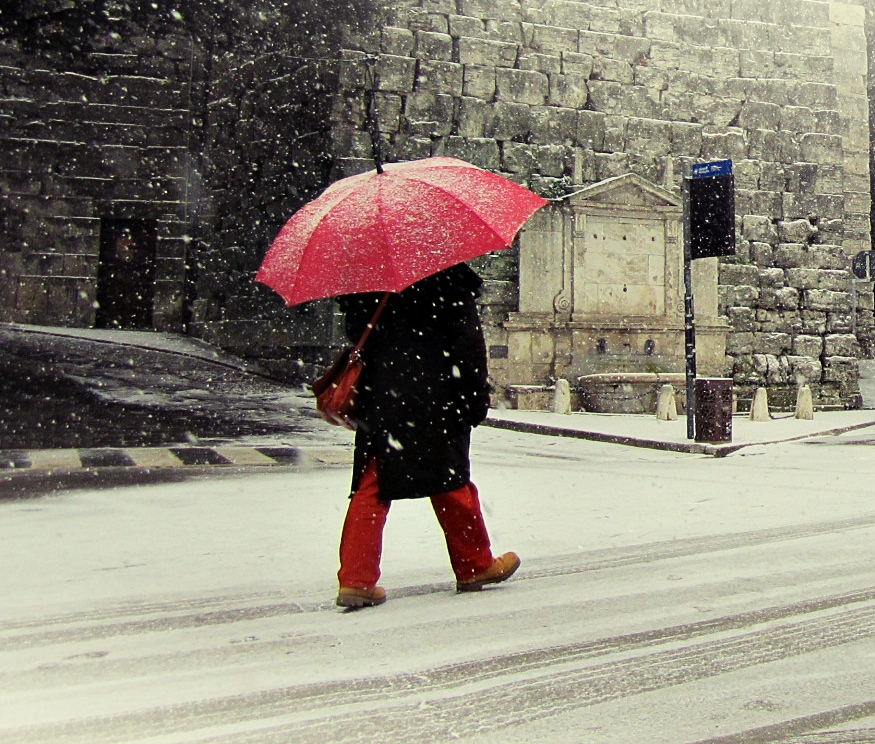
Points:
(663, 597)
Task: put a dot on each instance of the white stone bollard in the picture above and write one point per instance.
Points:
(804, 404)
(666, 404)
(759, 409)
(562, 397)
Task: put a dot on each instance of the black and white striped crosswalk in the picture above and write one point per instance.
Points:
(171, 457)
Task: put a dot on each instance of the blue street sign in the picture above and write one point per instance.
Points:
(714, 168)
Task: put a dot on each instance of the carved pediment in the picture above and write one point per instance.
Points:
(629, 191)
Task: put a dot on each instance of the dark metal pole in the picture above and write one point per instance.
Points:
(689, 320)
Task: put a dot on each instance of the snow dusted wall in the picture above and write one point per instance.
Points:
(97, 126)
(170, 140)
(184, 132)
(560, 94)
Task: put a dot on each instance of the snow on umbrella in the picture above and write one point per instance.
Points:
(383, 231)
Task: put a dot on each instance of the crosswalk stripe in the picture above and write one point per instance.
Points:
(244, 456)
(54, 459)
(154, 457)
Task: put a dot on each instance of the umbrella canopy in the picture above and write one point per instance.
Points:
(383, 231)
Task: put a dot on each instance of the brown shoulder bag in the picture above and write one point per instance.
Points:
(336, 390)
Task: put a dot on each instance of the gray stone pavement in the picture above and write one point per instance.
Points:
(155, 401)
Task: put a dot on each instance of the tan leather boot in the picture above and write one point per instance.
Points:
(502, 568)
(350, 596)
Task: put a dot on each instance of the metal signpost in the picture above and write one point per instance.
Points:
(709, 230)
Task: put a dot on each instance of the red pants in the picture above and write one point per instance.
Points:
(361, 543)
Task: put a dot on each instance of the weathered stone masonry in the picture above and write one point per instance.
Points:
(195, 128)
(208, 130)
(560, 95)
(107, 138)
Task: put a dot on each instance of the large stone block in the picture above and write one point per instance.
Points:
(741, 320)
(576, 63)
(841, 345)
(615, 98)
(739, 296)
(779, 321)
(808, 346)
(612, 70)
(829, 257)
(430, 45)
(479, 82)
(521, 86)
(759, 228)
(442, 77)
(509, 121)
(772, 343)
(568, 91)
(796, 231)
(759, 115)
(834, 280)
(548, 160)
(484, 52)
(566, 14)
(436, 109)
(825, 300)
(760, 254)
(841, 370)
(729, 145)
(819, 96)
(821, 148)
(591, 129)
(491, 9)
(660, 26)
(648, 137)
(735, 274)
(686, 138)
(804, 369)
(774, 370)
(481, 152)
(784, 298)
(772, 277)
(740, 344)
(549, 64)
(554, 125)
(554, 40)
(395, 74)
(397, 41)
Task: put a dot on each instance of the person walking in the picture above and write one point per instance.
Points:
(422, 389)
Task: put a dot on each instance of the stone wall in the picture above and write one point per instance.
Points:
(200, 125)
(210, 122)
(560, 94)
(96, 127)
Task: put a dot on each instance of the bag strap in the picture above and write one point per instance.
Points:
(370, 326)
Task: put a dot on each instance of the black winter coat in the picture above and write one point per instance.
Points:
(423, 384)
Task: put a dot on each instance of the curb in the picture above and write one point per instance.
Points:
(693, 448)
(171, 457)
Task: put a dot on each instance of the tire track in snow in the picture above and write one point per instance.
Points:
(487, 695)
(198, 612)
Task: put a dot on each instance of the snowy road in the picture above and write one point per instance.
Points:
(663, 598)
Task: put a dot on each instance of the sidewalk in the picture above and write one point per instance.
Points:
(639, 430)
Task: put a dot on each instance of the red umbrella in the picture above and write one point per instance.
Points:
(383, 231)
